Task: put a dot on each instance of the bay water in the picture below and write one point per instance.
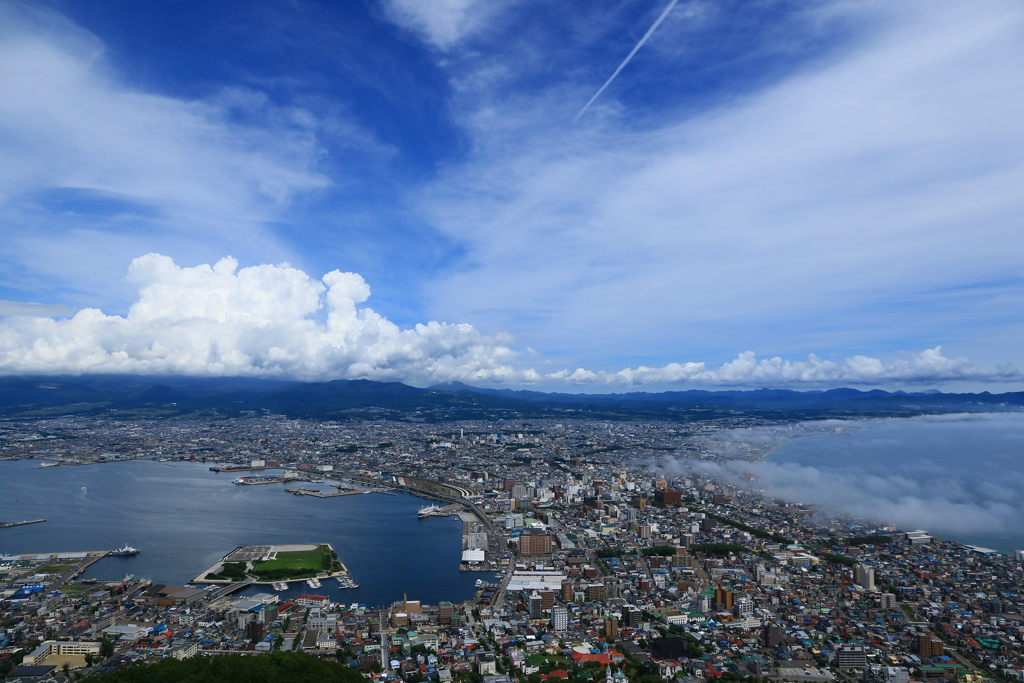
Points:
(183, 518)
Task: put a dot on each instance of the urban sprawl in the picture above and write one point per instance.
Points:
(615, 560)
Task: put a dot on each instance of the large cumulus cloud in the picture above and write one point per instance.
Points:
(277, 321)
(261, 320)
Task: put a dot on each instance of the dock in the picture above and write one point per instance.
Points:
(255, 481)
(343, 490)
(319, 494)
(236, 468)
(446, 511)
(4, 525)
(232, 588)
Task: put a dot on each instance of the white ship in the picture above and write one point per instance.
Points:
(346, 582)
(126, 551)
(428, 511)
(313, 583)
(280, 586)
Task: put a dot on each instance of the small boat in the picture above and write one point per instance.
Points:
(126, 551)
(280, 586)
(313, 583)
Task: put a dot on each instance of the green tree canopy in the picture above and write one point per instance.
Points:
(276, 667)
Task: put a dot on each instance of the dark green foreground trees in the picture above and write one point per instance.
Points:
(275, 667)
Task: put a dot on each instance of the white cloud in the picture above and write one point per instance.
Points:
(865, 201)
(928, 366)
(950, 496)
(257, 321)
(442, 22)
(940, 504)
(277, 321)
(182, 175)
(31, 309)
(67, 121)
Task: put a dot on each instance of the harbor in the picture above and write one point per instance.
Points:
(163, 504)
(58, 568)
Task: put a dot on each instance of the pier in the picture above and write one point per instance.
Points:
(4, 525)
(231, 588)
(236, 468)
(445, 511)
(343, 490)
(255, 481)
(319, 494)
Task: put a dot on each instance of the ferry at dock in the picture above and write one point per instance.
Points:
(428, 511)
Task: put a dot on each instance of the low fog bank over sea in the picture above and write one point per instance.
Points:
(960, 477)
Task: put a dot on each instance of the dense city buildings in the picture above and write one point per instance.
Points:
(612, 556)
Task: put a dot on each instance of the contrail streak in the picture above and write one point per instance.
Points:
(625, 61)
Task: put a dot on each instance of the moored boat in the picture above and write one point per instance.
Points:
(428, 511)
(126, 551)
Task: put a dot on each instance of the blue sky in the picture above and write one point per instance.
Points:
(769, 193)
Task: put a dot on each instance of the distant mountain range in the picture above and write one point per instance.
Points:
(774, 399)
(133, 396)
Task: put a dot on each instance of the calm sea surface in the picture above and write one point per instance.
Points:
(184, 518)
(960, 477)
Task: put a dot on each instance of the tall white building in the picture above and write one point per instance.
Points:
(559, 617)
(895, 674)
(864, 576)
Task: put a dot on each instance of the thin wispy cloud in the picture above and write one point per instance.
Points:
(443, 23)
(640, 43)
(862, 201)
(90, 164)
(32, 309)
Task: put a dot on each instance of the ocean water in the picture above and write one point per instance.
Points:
(960, 477)
(183, 518)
